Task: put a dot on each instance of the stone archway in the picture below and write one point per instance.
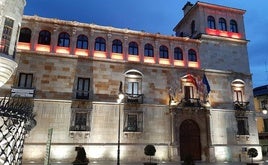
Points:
(190, 140)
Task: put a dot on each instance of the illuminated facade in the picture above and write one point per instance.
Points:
(261, 106)
(189, 94)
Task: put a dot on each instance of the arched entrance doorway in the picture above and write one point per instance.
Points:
(190, 140)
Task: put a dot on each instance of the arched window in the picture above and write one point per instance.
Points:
(222, 24)
(233, 26)
(64, 39)
(25, 35)
(117, 46)
(192, 55)
(133, 48)
(100, 44)
(148, 50)
(211, 22)
(163, 51)
(44, 37)
(178, 54)
(82, 42)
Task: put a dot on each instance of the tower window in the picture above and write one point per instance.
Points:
(100, 44)
(163, 52)
(178, 54)
(233, 26)
(148, 50)
(192, 55)
(44, 37)
(6, 35)
(222, 24)
(133, 48)
(117, 46)
(64, 39)
(211, 22)
(25, 35)
(82, 42)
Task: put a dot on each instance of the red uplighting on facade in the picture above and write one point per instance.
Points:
(81, 52)
(179, 63)
(100, 54)
(149, 60)
(135, 58)
(63, 50)
(42, 48)
(164, 61)
(23, 46)
(193, 64)
(221, 33)
(117, 56)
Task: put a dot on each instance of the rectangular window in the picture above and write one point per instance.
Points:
(82, 88)
(80, 120)
(242, 126)
(133, 88)
(263, 104)
(25, 80)
(133, 122)
(265, 121)
(188, 92)
(6, 36)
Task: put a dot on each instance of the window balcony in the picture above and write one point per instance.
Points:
(191, 102)
(241, 105)
(79, 128)
(134, 98)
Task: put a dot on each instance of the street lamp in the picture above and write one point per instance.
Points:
(119, 100)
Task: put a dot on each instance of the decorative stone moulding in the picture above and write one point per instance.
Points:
(7, 67)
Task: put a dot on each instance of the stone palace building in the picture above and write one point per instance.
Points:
(190, 95)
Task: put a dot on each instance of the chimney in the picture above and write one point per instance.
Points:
(187, 7)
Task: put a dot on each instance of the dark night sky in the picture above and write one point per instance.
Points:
(159, 16)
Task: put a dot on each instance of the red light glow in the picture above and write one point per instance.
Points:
(100, 54)
(117, 56)
(81, 52)
(63, 50)
(23, 46)
(217, 32)
(149, 60)
(135, 58)
(42, 48)
(193, 64)
(164, 61)
(179, 63)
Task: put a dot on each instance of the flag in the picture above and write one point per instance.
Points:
(192, 80)
(205, 82)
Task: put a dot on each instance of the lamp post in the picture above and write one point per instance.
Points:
(119, 100)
